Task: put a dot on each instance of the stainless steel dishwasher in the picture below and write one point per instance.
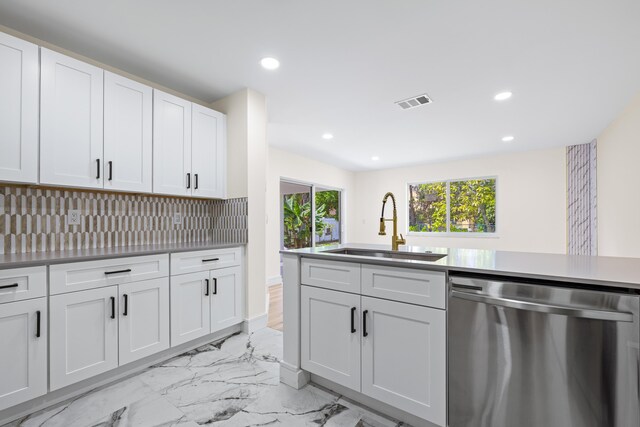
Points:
(541, 355)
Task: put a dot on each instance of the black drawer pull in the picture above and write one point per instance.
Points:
(196, 183)
(15, 285)
(353, 320)
(211, 259)
(215, 286)
(206, 292)
(110, 170)
(188, 180)
(38, 324)
(128, 270)
(126, 304)
(98, 169)
(364, 323)
(113, 307)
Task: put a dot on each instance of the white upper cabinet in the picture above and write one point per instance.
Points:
(71, 119)
(208, 152)
(128, 107)
(18, 110)
(171, 145)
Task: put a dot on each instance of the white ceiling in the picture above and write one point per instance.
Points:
(572, 65)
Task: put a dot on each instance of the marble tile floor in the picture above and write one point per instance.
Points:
(232, 382)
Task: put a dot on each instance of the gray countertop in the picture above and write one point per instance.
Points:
(591, 270)
(58, 257)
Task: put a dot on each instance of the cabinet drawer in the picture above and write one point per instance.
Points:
(23, 283)
(341, 276)
(405, 284)
(192, 262)
(95, 274)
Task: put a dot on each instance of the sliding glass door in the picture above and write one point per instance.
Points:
(311, 215)
(328, 211)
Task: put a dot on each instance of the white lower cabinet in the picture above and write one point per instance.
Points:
(84, 335)
(23, 351)
(144, 319)
(330, 325)
(190, 307)
(226, 297)
(205, 302)
(391, 351)
(404, 357)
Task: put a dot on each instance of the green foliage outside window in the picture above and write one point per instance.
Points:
(472, 206)
(297, 221)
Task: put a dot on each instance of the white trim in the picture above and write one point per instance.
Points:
(274, 280)
(255, 323)
(292, 376)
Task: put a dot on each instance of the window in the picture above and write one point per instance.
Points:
(455, 206)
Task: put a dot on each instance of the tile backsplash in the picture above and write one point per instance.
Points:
(35, 220)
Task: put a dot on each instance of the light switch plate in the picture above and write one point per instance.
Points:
(73, 217)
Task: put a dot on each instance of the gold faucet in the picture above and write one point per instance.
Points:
(395, 240)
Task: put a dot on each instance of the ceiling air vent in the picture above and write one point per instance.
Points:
(415, 101)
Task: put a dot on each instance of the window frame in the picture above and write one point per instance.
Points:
(449, 233)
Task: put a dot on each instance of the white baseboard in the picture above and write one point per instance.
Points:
(255, 323)
(292, 376)
(274, 280)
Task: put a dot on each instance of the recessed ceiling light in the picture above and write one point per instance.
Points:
(327, 135)
(270, 63)
(375, 158)
(507, 138)
(502, 96)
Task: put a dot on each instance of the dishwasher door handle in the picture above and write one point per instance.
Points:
(585, 313)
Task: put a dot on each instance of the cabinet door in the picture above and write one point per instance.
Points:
(23, 351)
(84, 335)
(71, 121)
(190, 310)
(226, 298)
(127, 134)
(171, 145)
(144, 318)
(404, 357)
(18, 110)
(209, 154)
(330, 335)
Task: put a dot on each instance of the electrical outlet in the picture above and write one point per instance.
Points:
(177, 218)
(73, 217)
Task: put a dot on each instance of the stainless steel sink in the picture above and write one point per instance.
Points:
(416, 256)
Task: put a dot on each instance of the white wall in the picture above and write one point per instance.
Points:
(283, 164)
(531, 201)
(618, 183)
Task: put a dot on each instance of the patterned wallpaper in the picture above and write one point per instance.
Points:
(582, 229)
(35, 220)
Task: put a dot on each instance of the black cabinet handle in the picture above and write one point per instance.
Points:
(211, 259)
(215, 286)
(364, 323)
(188, 180)
(14, 285)
(206, 292)
(126, 304)
(113, 307)
(196, 181)
(97, 168)
(128, 270)
(110, 170)
(38, 324)
(353, 320)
